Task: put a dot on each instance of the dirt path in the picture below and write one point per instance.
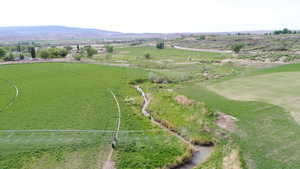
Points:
(203, 50)
(109, 163)
(200, 153)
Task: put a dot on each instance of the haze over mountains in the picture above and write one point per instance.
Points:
(62, 33)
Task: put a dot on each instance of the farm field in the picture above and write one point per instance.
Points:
(74, 96)
(267, 134)
(174, 64)
(63, 115)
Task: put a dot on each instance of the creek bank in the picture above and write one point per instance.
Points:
(199, 152)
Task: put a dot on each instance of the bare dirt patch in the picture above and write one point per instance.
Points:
(232, 161)
(184, 100)
(226, 122)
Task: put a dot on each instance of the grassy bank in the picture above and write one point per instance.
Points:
(267, 135)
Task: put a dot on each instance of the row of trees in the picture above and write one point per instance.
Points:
(53, 53)
(285, 31)
(11, 53)
(89, 51)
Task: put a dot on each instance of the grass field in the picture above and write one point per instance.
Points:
(70, 96)
(166, 53)
(267, 134)
(276, 88)
(175, 64)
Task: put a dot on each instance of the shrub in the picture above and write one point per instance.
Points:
(53, 53)
(22, 57)
(9, 57)
(91, 51)
(62, 52)
(160, 45)
(147, 55)
(236, 47)
(109, 49)
(172, 77)
(280, 47)
(78, 57)
(44, 53)
(68, 48)
(155, 78)
(202, 37)
(2, 52)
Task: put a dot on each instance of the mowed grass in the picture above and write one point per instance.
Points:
(74, 96)
(7, 94)
(62, 96)
(268, 135)
(166, 53)
(276, 88)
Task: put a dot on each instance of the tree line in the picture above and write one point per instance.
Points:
(285, 31)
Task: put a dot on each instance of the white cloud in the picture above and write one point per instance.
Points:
(155, 15)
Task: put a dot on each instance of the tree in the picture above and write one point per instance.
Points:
(69, 48)
(44, 53)
(283, 31)
(22, 57)
(19, 49)
(78, 49)
(286, 31)
(160, 45)
(2, 52)
(33, 52)
(63, 52)
(91, 51)
(9, 57)
(109, 49)
(236, 47)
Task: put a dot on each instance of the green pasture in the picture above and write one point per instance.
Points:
(74, 96)
(267, 134)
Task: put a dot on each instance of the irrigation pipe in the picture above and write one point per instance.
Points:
(12, 100)
(76, 131)
(119, 112)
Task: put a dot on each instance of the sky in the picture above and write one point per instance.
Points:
(156, 16)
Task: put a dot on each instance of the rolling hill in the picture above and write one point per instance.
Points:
(52, 33)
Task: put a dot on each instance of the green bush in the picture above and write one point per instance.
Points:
(91, 51)
(2, 52)
(202, 37)
(172, 77)
(147, 55)
(236, 47)
(109, 49)
(44, 53)
(68, 48)
(78, 57)
(9, 57)
(53, 53)
(62, 52)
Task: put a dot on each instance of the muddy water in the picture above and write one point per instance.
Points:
(198, 157)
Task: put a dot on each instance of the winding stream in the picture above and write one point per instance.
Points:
(200, 153)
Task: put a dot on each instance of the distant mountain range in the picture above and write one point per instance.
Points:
(62, 33)
(52, 33)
